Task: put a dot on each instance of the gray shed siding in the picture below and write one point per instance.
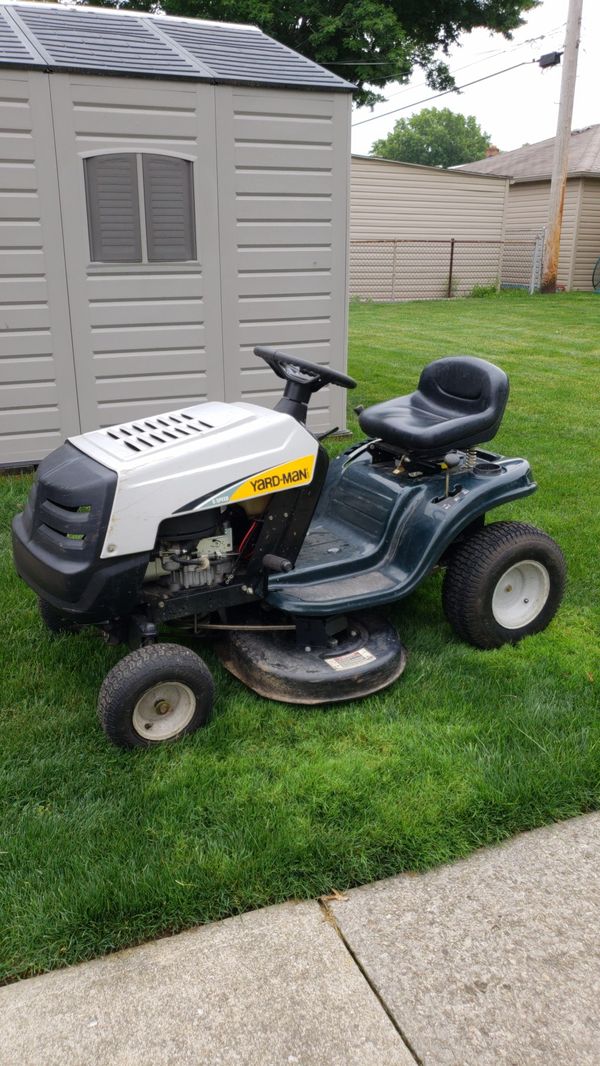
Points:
(38, 405)
(87, 344)
(283, 170)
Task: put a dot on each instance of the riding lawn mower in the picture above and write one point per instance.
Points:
(230, 517)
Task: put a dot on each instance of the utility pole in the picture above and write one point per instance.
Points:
(561, 147)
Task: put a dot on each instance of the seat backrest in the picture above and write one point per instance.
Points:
(464, 385)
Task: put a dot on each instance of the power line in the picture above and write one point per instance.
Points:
(488, 56)
(490, 53)
(436, 96)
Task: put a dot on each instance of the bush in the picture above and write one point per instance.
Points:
(480, 291)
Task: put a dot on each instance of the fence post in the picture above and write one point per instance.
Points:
(536, 265)
(451, 267)
(394, 269)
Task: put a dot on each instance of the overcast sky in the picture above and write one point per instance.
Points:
(516, 108)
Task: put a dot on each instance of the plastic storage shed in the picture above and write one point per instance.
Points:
(172, 193)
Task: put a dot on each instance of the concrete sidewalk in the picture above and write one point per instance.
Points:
(495, 959)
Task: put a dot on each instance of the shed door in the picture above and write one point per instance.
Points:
(138, 189)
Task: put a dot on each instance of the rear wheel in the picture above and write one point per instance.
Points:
(154, 695)
(502, 584)
(54, 620)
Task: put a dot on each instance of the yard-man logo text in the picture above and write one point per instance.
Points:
(276, 481)
(288, 475)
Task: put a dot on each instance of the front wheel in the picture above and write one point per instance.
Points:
(155, 694)
(502, 584)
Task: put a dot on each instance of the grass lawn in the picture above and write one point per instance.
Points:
(100, 848)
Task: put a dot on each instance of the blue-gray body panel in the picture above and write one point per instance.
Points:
(57, 38)
(375, 536)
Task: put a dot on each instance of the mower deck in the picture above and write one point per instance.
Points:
(367, 657)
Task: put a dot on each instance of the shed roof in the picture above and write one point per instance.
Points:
(533, 162)
(54, 37)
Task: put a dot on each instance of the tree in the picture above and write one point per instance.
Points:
(368, 42)
(436, 137)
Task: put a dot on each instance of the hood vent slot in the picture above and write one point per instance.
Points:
(150, 433)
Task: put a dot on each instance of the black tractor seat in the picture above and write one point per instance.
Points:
(459, 403)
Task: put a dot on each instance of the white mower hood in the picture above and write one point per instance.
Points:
(192, 459)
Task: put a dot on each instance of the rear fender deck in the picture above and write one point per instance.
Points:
(376, 535)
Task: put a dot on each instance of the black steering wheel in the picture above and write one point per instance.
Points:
(311, 376)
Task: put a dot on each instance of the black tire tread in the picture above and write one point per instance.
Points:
(142, 668)
(471, 562)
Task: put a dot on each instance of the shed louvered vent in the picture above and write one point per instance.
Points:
(151, 434)
(169, 208)
(111, 185)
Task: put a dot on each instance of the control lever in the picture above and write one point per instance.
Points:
(450, 461)
(276, 565)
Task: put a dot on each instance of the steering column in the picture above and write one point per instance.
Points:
(301, 380)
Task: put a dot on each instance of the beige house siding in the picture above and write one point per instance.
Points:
(422, 208)
(588, 234)
(390, 199)
(527, 214)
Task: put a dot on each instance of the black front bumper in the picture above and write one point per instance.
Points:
(58, 539)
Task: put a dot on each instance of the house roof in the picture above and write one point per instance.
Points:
(452, 171)
(54, 37)
(533, 162)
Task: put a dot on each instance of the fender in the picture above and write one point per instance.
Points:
(387, 532)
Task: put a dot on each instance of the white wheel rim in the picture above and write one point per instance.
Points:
(163, 711)
(520, 595)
